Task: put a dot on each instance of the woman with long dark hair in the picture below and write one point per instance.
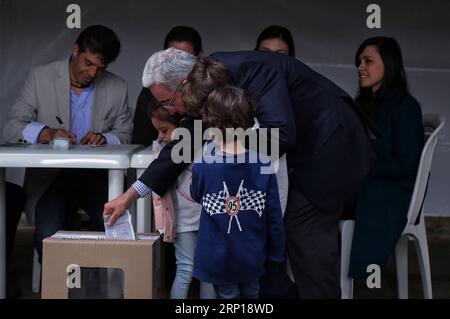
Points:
(276, 38)
(383, 200)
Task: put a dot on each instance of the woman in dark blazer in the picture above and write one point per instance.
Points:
(383, 200)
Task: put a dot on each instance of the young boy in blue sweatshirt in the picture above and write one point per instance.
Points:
(241, 225)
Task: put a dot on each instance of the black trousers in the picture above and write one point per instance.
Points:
(15, 202)
(313, 248)
(72, 189)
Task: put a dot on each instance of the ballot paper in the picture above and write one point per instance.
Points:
(122, 228)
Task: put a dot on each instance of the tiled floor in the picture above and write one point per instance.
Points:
(19, 274)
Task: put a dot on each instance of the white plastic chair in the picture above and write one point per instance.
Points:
(346, 229)
(432, 123)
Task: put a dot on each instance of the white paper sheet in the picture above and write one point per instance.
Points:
(78, 236)
(122, 228)
(147, 237)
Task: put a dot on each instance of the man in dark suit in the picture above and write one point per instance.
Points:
(328, 149)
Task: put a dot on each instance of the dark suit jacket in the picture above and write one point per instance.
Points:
(329, 152)
(143, 130)
(383, 200)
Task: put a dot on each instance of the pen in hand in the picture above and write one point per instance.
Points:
(61, 123)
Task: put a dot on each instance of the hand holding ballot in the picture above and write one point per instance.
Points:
(121, 230)
(118, 206)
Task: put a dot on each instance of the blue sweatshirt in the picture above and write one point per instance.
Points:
(241, 225)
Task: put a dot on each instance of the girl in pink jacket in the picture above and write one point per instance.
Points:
(177, 216)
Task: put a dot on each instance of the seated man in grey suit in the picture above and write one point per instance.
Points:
(78, 99)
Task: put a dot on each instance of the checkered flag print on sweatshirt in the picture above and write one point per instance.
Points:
(223, 203)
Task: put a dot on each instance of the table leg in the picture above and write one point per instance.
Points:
(2, 235)
(144, 210)
(116, 182)
(115, 189)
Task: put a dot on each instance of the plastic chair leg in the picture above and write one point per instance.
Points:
(401, 264)
(346, 228)
(424, 262)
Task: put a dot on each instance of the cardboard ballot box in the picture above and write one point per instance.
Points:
(65, 254)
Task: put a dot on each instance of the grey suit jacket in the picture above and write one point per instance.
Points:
(45, 95)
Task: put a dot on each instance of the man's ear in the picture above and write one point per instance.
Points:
(201, 53)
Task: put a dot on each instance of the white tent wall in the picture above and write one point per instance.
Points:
(326, 33)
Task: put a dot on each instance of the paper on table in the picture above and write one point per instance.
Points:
(66, 235)
(122, 228)
(147, 237)
(89, 235)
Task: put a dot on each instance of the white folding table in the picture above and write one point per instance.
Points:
(114, 158)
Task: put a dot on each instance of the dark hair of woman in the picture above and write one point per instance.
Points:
(394, 71)
(276, 31)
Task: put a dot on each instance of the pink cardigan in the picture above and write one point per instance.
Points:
(164, 216)
(164, 213)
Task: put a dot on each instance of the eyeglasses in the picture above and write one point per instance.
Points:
(168, 106)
